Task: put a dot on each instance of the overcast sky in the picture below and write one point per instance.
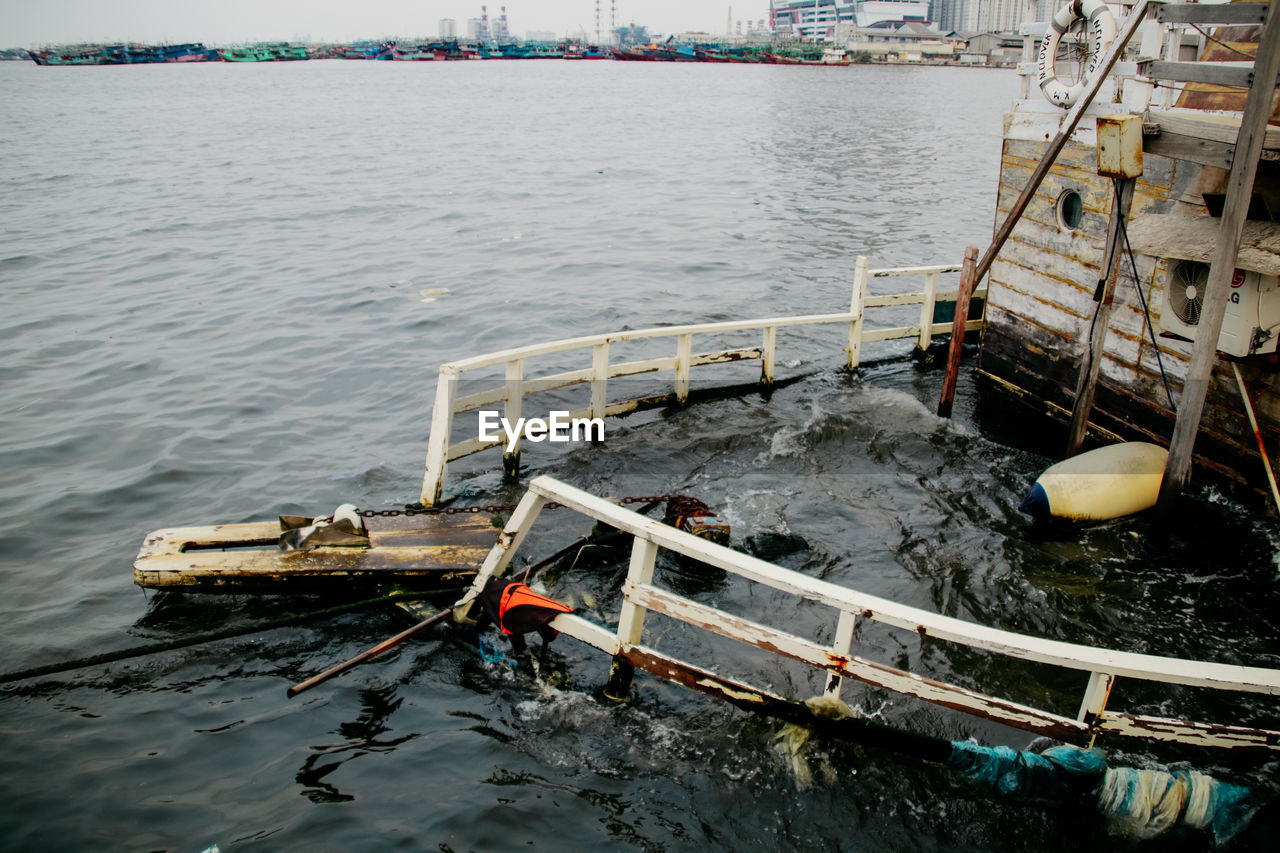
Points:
(32, 22)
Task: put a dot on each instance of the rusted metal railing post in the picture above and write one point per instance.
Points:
(599, 379)
(967, 284)
(840, 647)
(926, 311)
(857, 307)
(512, 409)
(684, 362)
(644, 555)
(768, 354)
(1096, 694)
(441, 435)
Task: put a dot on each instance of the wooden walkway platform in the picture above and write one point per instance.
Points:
(413, 552)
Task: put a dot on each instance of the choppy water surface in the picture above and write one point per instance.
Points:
(228, 290)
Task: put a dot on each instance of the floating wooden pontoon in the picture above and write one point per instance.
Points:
(415, 552)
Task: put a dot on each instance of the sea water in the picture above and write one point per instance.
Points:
(228, 290)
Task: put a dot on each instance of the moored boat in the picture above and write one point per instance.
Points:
(288, 51)
(247, 53)
(277, 51)
(77, 55)
(413, 53)
(122, 54)
(1134, 220)
(624, 55)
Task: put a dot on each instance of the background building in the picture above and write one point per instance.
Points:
(448, 28)
(988, 16)
(819, 18)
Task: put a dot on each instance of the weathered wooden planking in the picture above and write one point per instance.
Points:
(1202, 137)
(1040, 304)
(1225, 13)
(415, 552)
(1233, 74)
(1193, 238)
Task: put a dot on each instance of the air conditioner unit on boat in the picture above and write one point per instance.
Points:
(1251, 322)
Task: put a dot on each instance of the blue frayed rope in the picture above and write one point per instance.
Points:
(1139, 803)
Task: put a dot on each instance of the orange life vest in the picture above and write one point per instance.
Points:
(516, 608)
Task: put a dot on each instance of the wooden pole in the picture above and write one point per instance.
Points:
(1244, 167)
(423, 626)
(1257, 433)
(967, 282)
(1088, 381)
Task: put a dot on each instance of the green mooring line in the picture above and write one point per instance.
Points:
(198, 639)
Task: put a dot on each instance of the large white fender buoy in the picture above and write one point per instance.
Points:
(1101, 33)
(1109, 482)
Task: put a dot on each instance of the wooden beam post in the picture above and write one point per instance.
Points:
(1088, 381)
(968, 281)
(1253, 127)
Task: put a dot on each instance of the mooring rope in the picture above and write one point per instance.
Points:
(199, 639)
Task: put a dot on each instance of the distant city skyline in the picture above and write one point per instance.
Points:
(33, 22)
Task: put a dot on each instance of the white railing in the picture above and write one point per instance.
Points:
(641, 596)
(518, 384)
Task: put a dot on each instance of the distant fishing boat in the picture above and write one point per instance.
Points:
(195, 52)
(247, 53)
(380, 52)
(80, 55)
(122, 54)
(632, 55)
(415, 53)
(346, 51)
(265, 52)
(835, 56)
(288, 51)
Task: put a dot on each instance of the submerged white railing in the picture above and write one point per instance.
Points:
(518, 383)
(641, 596)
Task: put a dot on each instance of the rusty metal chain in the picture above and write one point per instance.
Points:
(494, 508)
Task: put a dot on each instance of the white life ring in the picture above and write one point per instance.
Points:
(1102, 32)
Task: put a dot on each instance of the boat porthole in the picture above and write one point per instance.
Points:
(1070, 210)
